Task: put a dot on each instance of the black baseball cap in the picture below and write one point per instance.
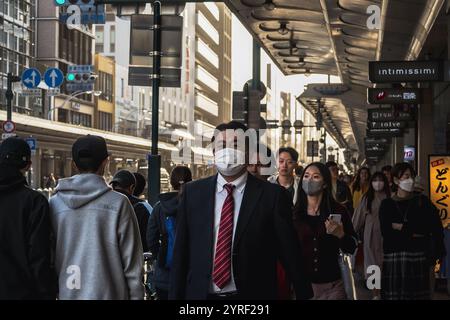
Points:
(123, 179)
(89, 152)
(15, 152)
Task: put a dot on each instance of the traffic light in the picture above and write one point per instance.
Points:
(80, 77)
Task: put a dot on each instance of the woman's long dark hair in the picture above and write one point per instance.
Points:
(371, 192)
(357, 183)
(328, 202)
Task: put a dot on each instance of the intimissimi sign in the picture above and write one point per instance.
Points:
(405, 71)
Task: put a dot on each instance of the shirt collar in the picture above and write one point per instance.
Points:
(239, 183)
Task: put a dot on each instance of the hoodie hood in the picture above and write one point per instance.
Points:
(169, 203)
(10, 178)
(79, 190)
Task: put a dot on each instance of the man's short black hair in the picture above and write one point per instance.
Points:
(292, 152)
(232, 125)
(330, 164)
(140, 184)
(387, 168)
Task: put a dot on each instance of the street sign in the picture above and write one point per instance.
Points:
(53, 92)
(141, 76)
(9, 126)
(312, 148)
(142, 51)
(87, 12)
(8, 135)
(32, 142)
(405, 71)
(53, 77)
(31, 78)
(394, 96)
(31, 93)
(389, 115)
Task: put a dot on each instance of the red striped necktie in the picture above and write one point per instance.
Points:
(222, 260)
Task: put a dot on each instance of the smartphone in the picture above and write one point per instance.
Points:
(335, 217)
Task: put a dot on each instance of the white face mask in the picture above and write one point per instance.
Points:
(229, 161)
(407, 185)
(378, 185)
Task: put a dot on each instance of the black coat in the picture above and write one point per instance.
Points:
(25, 240)
(264, 235)
(142, 216)
(157, 238)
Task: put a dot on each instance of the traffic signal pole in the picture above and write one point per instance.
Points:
(154, 159)
(9, 95)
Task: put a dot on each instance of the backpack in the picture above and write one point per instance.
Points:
(166, 226)
(170, 229)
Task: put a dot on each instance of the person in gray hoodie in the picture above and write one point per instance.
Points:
(98, 247)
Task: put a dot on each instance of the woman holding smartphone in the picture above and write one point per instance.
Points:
(324, 228)
(366, 218)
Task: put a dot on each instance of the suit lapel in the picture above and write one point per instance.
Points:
(251, 196)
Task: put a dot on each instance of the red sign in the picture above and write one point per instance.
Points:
(9, 126)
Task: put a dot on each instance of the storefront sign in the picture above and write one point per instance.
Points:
(405, 71)
(410, 153)
(384, 133)
(394, 96)
(386, 124)
(389, 115)
(439, 166)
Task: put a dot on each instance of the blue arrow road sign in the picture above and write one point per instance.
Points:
(32, 143)
(53, 77)
(31, 78)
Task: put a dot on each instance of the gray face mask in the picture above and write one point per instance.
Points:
(311, 187)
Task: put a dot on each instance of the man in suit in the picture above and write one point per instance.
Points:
(232, 229)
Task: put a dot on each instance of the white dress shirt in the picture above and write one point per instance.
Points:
(221, 194)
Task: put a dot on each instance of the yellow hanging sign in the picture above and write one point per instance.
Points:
(439, 166)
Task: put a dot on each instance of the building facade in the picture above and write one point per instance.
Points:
(17, 49)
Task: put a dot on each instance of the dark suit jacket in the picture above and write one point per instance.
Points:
(264, 235)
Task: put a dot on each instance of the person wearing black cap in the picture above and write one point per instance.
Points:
(124, 182)
(25, 230)
(98, 247)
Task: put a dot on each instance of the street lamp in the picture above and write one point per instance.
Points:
(75, 94)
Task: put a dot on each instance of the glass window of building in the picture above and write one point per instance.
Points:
(207, 78)
(207, 53)
(214, 9)
(99, 38)
(212, 32)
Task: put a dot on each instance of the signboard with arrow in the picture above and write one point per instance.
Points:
(31, 78)
(53, 77)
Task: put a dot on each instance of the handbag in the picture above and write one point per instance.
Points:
(345, 265)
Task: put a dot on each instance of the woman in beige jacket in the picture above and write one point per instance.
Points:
(366, 217)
